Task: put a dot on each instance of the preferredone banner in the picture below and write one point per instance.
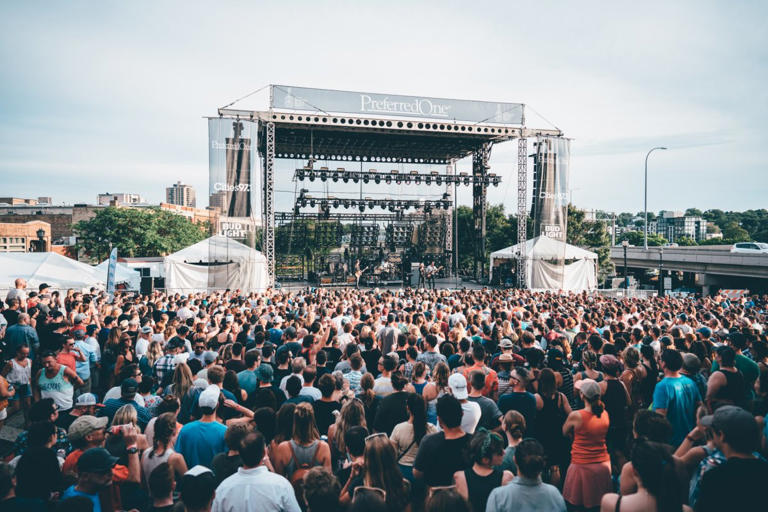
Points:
(327, 100)
(550, 187)
(232, 165)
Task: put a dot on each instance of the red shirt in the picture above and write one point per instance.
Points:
(491, 378)
(67, 359)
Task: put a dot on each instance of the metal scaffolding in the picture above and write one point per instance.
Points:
(522, 207)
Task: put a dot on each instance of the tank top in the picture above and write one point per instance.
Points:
(302, 455)
(615, 403)
(58, 388)
(647, 385)
(480, 487)
(733, 391)
(549, 421)
(419, 387)
(589, 439)
(148, 464)
(20, 375)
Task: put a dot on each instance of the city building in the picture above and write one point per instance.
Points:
(60, 218)
(674, 225)
(18, 201)
(119, 199)
(180, 194)
(196, 215)
(45, 200)
(25, 236)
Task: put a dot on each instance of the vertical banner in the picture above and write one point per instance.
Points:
(550, 187)
(111, 271)
(232, 165)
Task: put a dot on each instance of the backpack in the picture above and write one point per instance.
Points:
(301, 468)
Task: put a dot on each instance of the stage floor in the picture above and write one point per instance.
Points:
(449, 283)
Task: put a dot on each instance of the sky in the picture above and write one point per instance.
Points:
(111, 96)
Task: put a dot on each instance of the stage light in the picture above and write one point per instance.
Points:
(388, 180)
(299, 174)
(438, 180)
(466, 180)
(346, 203)
(361, 207)
(428, 180)
(311, 175)
(336, 203)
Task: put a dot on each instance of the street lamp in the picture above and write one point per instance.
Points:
(41, 240)
(661, 272)
(625, 244)
(645, 236)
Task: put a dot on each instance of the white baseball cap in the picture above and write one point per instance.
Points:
(458, 385)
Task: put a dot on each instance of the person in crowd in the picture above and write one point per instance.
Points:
(326, 407)
(321, 490)
(446, 499)
(737, 483)
(549, 427)
(44, 410)
(475, 483)
(441, 454)
(379, 470)
(520, 399)
(393, 408)
(407, 435)
(198, 487)
(128, 392)
(658, 488)
(38, 473)
(56, 381)
(471, 411)
(9, 501)
(527, 492)
(161, 450)
(94, 476)
(352, 414)
(513, 427)
(589, 474)
(199, 441)
(226, 463)
(304, 450)
(161, 485)
(253, 484)
(676, 397)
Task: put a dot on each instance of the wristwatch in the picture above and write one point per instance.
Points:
(132, 450)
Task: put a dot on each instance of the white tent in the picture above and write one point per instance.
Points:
(123, 274)
(553, 265)
(58, 271)
(216, 263)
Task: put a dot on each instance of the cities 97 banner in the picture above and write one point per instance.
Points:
(232, 161)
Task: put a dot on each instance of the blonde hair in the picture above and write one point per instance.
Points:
(304, 429)
(126, 415)
(182, 381)
(154, 352)
(352, 415)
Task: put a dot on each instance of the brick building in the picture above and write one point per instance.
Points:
(23, 236)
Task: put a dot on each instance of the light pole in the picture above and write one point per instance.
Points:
(41, 240)
(645, 202)
(661, 272)
(625, 244)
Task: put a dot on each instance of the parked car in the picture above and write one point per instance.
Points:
(750, 248)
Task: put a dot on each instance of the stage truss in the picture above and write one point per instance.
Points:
(387, 140)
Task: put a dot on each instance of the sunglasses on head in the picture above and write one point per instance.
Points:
(362, 489)
(377, 434)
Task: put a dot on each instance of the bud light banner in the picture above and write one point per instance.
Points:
(550, 187)
(233, 165)
(327, 101)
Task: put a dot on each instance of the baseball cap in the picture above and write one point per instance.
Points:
(691, 362)
(609, 362)
(87, 399)
(209, 357)
(506, 358)
(79, 318)
(84, 425)
(264, 373)
(175, 342)
(210, 397)
(734, 422)
(129, 387)
(458, 385)
(506, 343)
(95, 460)
(42, 287)
(146, 330)
(588, 387)
(706, 332)
(79, 334)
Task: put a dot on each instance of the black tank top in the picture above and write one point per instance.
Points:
(733, 391)
(647, 385)
(615, 403)
(480, 487)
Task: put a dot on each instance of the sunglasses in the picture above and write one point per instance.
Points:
(378, 434)
(443, 488)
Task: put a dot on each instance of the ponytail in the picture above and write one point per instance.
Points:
(597, 406)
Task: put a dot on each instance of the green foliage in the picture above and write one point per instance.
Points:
(740, 226)
(684, 241)
(137, 232)
(732, 231)
(693, 212)
(636, 238)
(592, 235)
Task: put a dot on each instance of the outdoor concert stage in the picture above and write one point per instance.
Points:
(332, 239)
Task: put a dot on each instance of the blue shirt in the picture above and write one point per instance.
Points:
(247, 381)
(71, 492)
(83, 368)
(275, 335)
(199, 441)
(526, 495)
(680, 397)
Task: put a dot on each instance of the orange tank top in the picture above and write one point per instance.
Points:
(589, 439)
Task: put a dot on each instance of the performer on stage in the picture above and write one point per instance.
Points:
(431, 271)
(422, 275)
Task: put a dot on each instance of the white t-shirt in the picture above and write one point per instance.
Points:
(115, 393)
(471, 416)
(141, 346)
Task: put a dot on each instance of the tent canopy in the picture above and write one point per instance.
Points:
(216, 263)
(545, 248)
(546, 268)
(48, 267)
(123, 274)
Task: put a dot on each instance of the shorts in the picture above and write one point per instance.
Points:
(3, 414)
(22, 391)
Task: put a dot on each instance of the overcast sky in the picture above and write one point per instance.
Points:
(110, 96)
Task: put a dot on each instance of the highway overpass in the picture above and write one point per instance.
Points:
(714, 265)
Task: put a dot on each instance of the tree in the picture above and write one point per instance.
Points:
(684, 241)
(593, 235)
(693, 212)
(732, 231)
(136, 232)
(636, 238)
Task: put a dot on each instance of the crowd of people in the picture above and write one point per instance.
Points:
(383, 400)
